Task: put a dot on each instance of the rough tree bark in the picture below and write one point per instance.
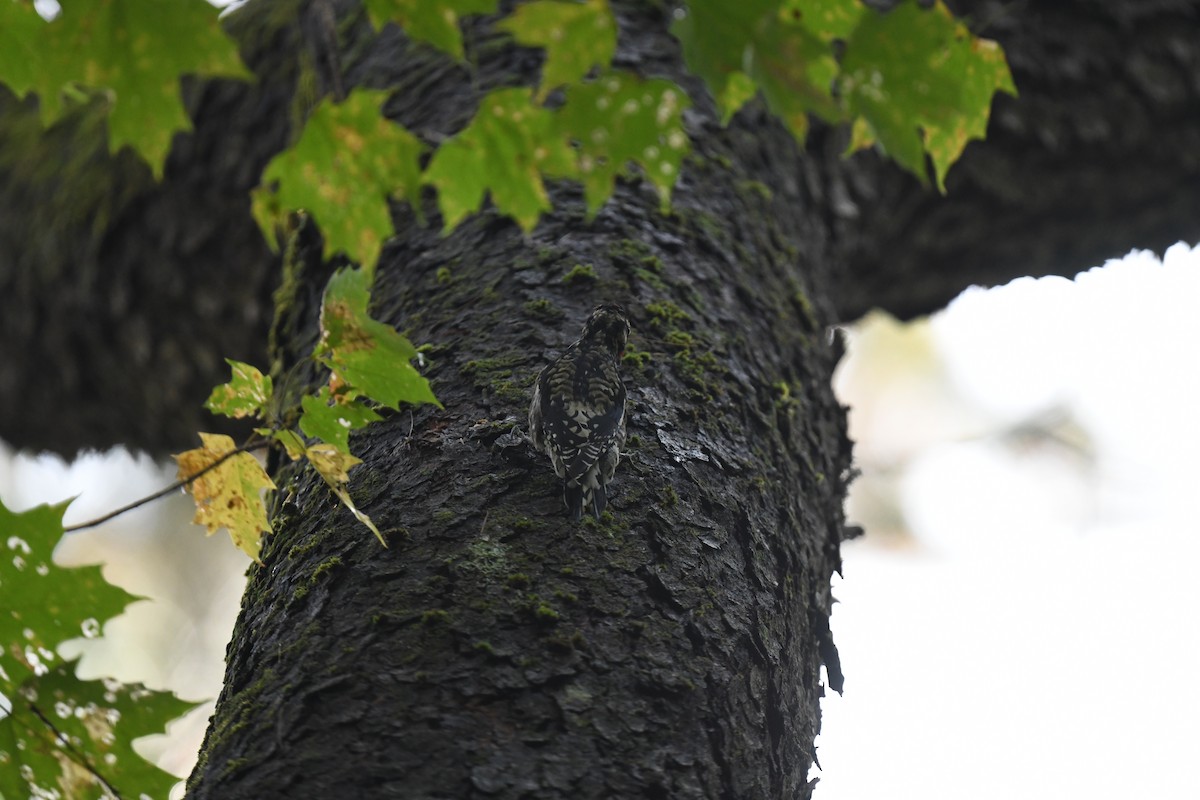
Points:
(673, 649)
(493, 650)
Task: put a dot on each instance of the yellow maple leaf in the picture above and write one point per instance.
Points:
(229, 495)
(334, 466)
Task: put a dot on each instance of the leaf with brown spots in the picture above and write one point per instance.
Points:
(350, 159)
(131, 52)
(229, 495)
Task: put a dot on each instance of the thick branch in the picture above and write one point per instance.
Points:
(1100, 154)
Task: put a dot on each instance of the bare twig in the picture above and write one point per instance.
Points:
(179, 484)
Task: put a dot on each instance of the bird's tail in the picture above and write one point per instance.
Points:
(580, 497)
(573, 495)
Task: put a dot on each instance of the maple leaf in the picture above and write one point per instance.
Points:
(575, 36)
(331, 418)
(920, 82)
(45, 604)
(228, 495)
(334, 467)
(129, 51)
(425, 21)
(504, 151)
(621, 118)
(246, 394)
(367, 354)
(349, 160)
(66, 732)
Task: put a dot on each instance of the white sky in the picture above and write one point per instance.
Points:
(1037, 635)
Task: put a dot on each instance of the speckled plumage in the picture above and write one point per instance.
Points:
(577, 416)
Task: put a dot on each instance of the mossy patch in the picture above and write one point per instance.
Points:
(544, 612)
(755, 188)
(436, 616)
(324, 568)
(497, 377)
(665, 315)
(638, 259)
(670, 497)
(680, 339)
(580, 273)
(542, 309)
(636, 358)
(804, 305)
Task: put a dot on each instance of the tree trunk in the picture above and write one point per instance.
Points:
(672, 649)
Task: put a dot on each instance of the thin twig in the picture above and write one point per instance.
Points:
(76, 756)
(179, 484)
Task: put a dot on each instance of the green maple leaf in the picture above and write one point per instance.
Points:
(292, 442)
(246, 394)
(368, 355)
(921, 82)
(42, 604)
(825, 19)
(621, 118)
(73, 737)
(131, 51)
(432, 21)
(21, 51)
(331, 419)
(349, 160)
(576, 37)
(739, 48)
(504, 151)
(715, 37)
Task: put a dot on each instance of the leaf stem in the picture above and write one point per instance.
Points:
(179, 484)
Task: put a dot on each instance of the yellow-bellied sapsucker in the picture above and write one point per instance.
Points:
(577, 416)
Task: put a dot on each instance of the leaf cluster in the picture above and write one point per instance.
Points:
(369, 364)
(913, 82)
(130, 52)
(61, 736)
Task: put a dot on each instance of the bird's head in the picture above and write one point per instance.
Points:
(608, 326)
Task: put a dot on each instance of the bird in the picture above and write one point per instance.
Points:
(577, 414)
